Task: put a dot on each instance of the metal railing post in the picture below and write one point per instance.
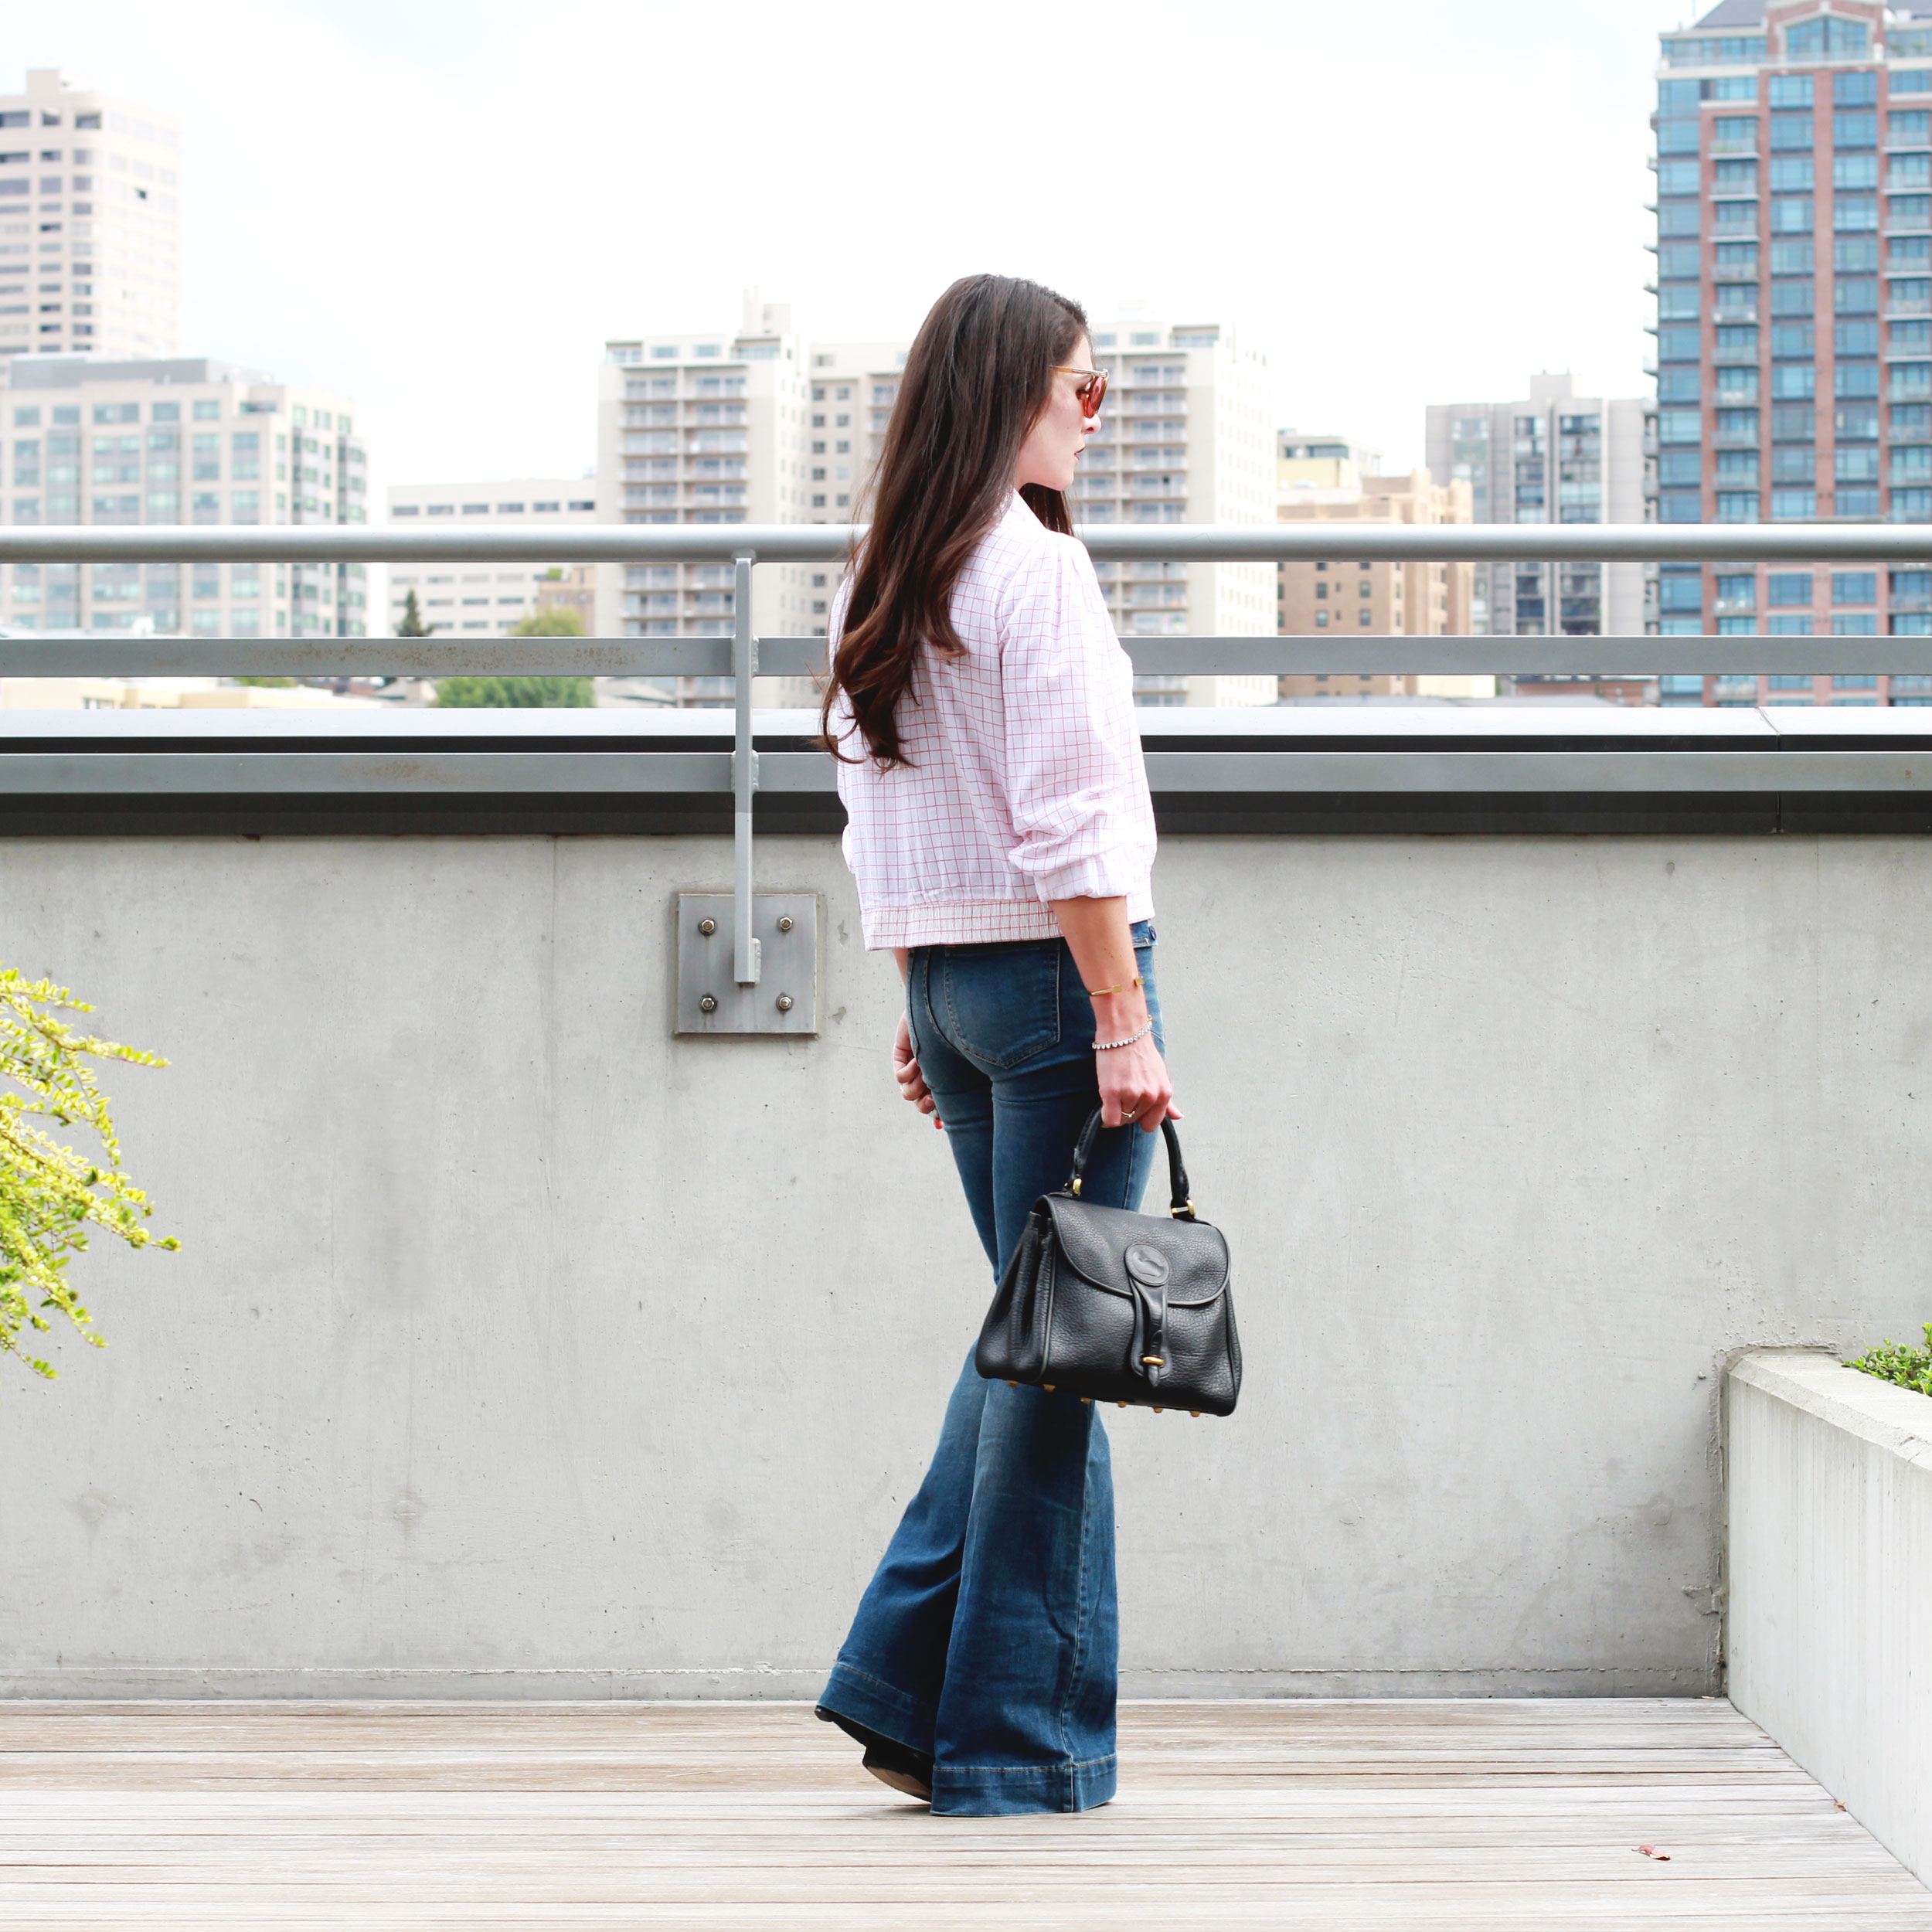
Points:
(744, 774)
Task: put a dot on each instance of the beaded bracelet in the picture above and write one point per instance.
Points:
(1108, 1046)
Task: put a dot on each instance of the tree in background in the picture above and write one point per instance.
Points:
(412, 625)
(48, 1194)
(557, 621)
(553, 621)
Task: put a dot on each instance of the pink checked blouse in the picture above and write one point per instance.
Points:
(1026, 783)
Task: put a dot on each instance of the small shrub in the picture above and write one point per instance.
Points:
(49, 1195)
(494, 693)
(1894, 1361)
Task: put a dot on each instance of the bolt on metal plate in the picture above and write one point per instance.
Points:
(785, 1000)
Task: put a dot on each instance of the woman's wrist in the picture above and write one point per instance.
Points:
(1118, 1015)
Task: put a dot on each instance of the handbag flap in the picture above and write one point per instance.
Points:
(1095, 1241)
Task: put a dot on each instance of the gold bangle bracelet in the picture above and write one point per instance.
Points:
(1101, 992)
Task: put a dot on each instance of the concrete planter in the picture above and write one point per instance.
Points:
(1830, 1629)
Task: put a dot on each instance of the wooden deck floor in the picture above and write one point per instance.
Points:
(1292, 1816)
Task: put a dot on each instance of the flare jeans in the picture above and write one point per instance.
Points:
(989, 1635)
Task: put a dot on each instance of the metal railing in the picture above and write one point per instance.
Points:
(743, 656)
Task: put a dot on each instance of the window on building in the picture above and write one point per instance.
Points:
(1854, 90)
(1787, 587)
(1790, 174)
(1793, 506)
(1788, 627)
(1790, 134)
(1793, 465)
(1680, 467)
(1737, 506)
(1790, 214)
(1789, 340)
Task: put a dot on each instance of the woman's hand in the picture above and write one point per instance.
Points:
(912, 1082)
(1135, 1085)
(1133, 1080)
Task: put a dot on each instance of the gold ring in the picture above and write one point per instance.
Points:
(1128, 1116)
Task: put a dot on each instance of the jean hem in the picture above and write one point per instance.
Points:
(989, 1790)
(880, 1707)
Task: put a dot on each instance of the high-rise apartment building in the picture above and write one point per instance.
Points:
(1353, 598)
(854, 385)
(192, 441)
(763, 427)
(1794, 319)
(1551, 456)
(481, 599)
(90, 223)
(709, 427)
(1184, 438)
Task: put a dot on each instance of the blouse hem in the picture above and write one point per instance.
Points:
(984, 923)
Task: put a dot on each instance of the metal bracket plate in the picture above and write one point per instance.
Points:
(785, 999)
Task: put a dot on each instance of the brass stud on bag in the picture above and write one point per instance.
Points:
(1121, 1405)
(1195, 1414)
(1086, 1398)
(1160, 1411)
(1048, 1386)
(1012, 1384)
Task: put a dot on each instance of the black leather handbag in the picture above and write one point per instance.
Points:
(1117, 1306)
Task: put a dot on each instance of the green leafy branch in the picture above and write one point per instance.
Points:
(1898, 1362)
(50, 1196)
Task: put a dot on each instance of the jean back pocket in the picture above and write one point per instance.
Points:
(1000, 1004)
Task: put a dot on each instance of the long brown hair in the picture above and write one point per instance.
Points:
(978, 376)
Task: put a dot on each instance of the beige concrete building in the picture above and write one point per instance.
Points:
(191, 441)
(1184, 438)
(762, 426)
(90, 223)
(1354, 598)
(706, 427)
(571, 587)
(481, 599)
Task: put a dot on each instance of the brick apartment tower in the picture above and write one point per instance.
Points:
(1795, 321)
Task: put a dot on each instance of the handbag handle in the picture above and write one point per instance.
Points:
(1179, 1205)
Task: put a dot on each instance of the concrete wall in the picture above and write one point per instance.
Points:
(1831, 1584)
(519, 1348)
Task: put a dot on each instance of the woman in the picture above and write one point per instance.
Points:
(1002, 837)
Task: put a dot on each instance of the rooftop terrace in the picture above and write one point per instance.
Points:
(1643, 1815)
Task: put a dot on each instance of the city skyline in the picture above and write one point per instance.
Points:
(448, 258)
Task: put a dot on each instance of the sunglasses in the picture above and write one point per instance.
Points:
(1092, 392)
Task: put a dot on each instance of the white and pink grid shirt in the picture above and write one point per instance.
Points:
(1026, 783)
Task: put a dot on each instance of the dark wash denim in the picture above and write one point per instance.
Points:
(989, 1636)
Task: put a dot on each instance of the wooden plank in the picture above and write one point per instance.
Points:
(1433, 1814)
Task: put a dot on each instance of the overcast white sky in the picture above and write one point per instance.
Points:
(443, 207)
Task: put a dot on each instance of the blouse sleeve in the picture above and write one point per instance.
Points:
(1076, 787)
